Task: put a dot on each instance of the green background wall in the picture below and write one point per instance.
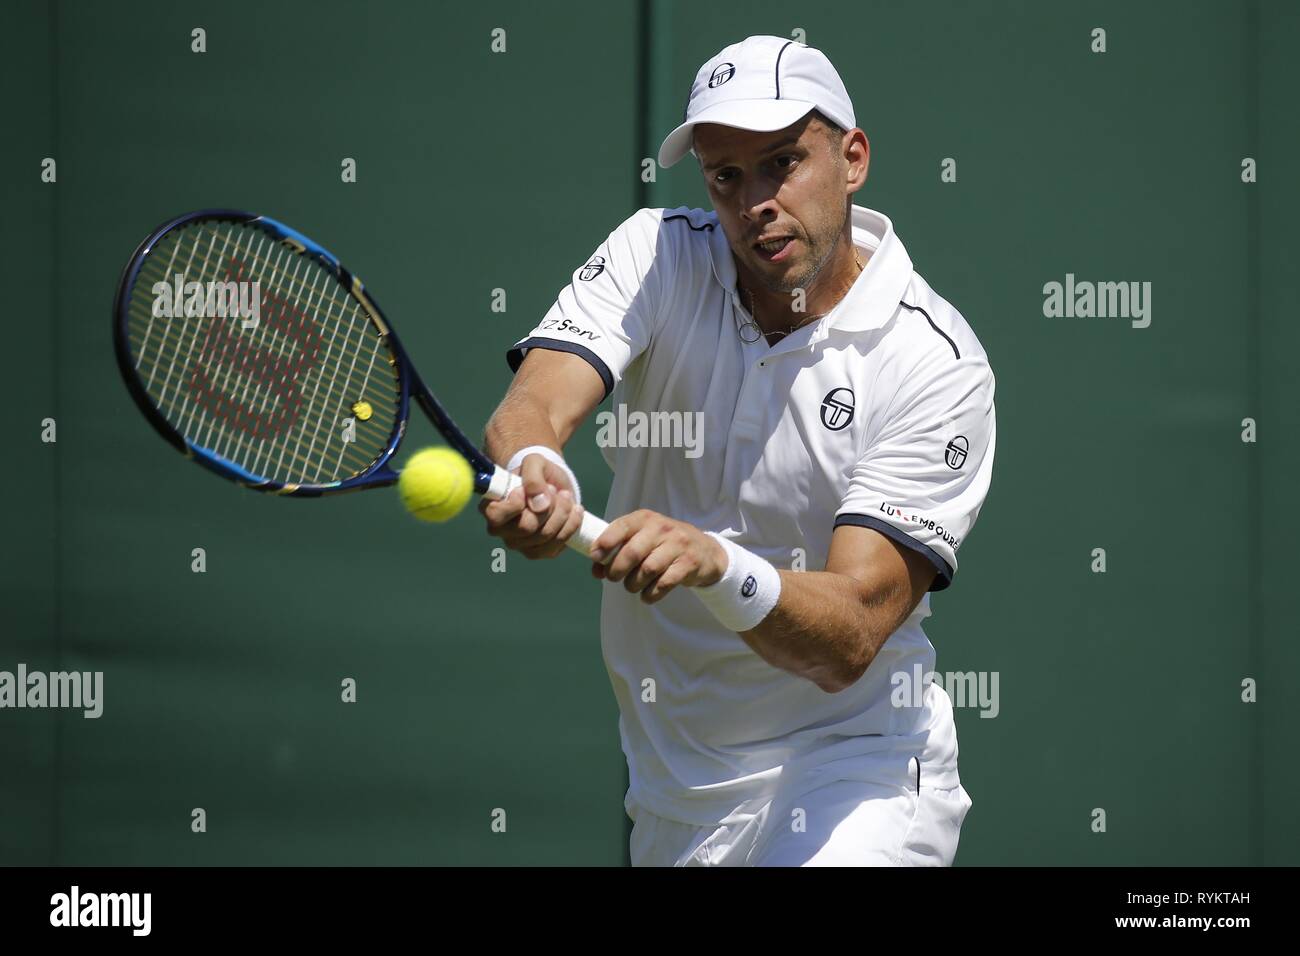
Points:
(478, 170)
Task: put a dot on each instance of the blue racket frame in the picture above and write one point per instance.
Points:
(410, 385)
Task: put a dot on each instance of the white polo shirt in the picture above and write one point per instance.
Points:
(880, 414)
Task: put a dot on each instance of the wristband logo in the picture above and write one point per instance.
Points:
(750, 587)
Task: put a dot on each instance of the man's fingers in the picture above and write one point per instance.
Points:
(675, 575)
(509, 520)
(534, 534)
(538, 492)
(558, 516)
(502, 510)
(618, 532)
(652, 566)
(556, 476)
(555, 544)
(572, 524)
(635, 550)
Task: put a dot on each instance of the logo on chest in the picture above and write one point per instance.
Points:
(837, 408)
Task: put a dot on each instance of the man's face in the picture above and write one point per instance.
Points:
(791, 184)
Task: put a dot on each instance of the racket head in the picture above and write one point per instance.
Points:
(255, 372)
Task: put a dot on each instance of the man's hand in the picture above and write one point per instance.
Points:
(537, 519)
(656, 554)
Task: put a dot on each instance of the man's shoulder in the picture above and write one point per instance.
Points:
(926, 340)
(930, 322)
(689, 219)
(678, 245)
(681, 225)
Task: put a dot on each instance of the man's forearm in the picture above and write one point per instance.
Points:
(826, 627)
(519, 421)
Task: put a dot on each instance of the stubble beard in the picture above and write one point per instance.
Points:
(805, 282)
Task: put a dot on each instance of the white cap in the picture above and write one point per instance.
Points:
(760, 84)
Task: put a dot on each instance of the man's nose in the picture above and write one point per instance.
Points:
(759, 204)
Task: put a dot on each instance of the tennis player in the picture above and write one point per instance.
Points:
(762, 611)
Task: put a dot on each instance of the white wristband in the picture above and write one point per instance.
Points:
(551, 455)
(747, 591)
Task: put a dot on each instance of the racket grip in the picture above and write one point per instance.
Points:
(585, 537)
(582, 540)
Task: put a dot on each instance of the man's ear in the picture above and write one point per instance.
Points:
(860, 147)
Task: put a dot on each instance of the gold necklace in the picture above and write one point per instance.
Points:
(751, 324)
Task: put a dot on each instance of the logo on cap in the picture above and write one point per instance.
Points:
(592, 269)
(955, 453)
(724, 72)
(837, 408)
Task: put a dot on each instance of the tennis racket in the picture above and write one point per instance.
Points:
(252, 351)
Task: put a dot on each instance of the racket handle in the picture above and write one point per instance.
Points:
(585, 537)
(582, 540)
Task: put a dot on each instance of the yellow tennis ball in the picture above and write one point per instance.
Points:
(436, 484)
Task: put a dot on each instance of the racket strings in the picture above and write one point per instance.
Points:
(272, 398)
(261, 342)
(194, 429)
(174, 346)
(151, 271)
(337, 308)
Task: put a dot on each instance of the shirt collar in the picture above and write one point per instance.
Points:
(871, 300)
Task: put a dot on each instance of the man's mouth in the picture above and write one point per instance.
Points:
(774, 249)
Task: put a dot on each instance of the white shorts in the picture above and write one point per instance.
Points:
(840, 823)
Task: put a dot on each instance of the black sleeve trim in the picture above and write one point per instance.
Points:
(515, 357)
(944, 577)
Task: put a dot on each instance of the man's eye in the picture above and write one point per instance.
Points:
(784, 162)
(723, 176)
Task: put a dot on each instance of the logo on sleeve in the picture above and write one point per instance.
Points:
(724, 72)
(955, 453)
(926, 523)
(750, 586)
(564, 325)
(837, 408)
(592, 269)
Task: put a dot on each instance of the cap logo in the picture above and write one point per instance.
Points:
(592, 269)
(724, 72)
